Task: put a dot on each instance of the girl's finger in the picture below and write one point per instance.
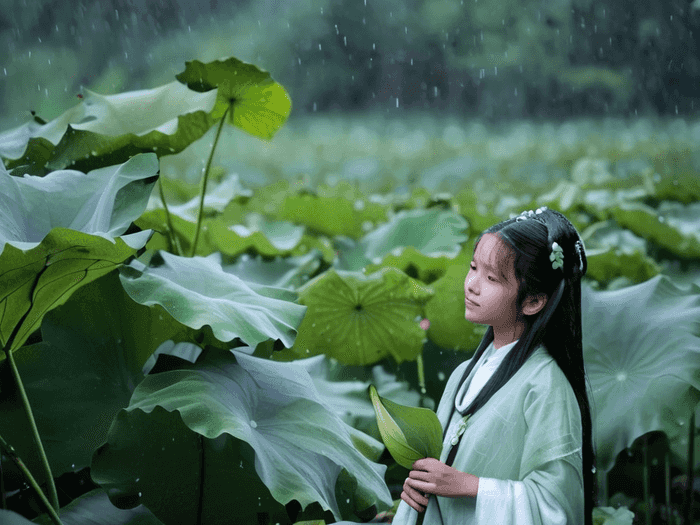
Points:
(421, 475)
(411, 502)
(418, 485)
(414, 494)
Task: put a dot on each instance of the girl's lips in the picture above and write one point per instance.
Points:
(469, 302)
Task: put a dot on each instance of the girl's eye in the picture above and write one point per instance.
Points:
(492, 278)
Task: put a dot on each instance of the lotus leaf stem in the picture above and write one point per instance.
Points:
(172, 238)
(645, 475)
(35, 431)
(12, 454)
(421, 372)
(688, 507)
(205, 179)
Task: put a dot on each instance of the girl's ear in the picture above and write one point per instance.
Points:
(534, 303)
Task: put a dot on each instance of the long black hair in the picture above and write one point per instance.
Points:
(557, 326)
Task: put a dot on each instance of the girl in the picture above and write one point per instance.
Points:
(517, 446)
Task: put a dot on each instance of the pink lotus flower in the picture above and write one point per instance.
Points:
(425, 324)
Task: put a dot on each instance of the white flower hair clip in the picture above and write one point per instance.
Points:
(529, 214)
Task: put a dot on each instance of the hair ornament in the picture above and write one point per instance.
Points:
(529, 214)
(557, 256)
(580, 249)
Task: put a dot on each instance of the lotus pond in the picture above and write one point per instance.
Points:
(196, 296)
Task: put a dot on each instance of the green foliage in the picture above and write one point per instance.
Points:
(197, 291)
(230, 412)
(260, 105)
(361, 319)
(50, 251)
(642, 349)
(409, 433)
(330, 270)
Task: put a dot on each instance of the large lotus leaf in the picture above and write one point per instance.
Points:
(94, 508)
(106, 130)
(674, 226)
(445, 311)
(642, 354)
(361, 319)
(433, 232)
(288, 272)
(236, 408)
(349, 398)
(197, 291)
(33, 282)
(86, 367)
(613, 252)
(104, 202)
(260, 105)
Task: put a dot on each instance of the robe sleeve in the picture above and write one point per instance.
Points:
(529, 502)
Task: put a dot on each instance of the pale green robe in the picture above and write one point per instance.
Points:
(524, 445)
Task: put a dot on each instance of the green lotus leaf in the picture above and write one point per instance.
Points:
(613, 252)
(642, 353)
(265, 237)
(103, 130)
(253, 421)
(94, 508)
(86, 367)
(260, 105)
(410, 433)
(445, 311)
(673, 225)
(215, 201)
(104, 202)
(348, 397)
(412, 262)
(44, 257)
(433, 232)
(35, 281)
(332, 213)
(197, 291)
(361, 319)
(288, 272)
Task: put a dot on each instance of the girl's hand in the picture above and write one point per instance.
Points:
(430, 476)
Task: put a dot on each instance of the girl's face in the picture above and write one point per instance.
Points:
(489, 295)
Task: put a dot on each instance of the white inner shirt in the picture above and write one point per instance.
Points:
(489, 362)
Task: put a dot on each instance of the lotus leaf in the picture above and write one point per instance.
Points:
(410, 433)
(104, 202)
(197, 291)
(43, 261)
(260, 105)
(614, 252)
(84, 370)
(94, 508)
(288, 272)
(349, 397)
(215, 200)
(254, 419)
(673, 226)
(361, 319)
(433, 232)
(331, 213)
(642, 354)
(105, 130)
